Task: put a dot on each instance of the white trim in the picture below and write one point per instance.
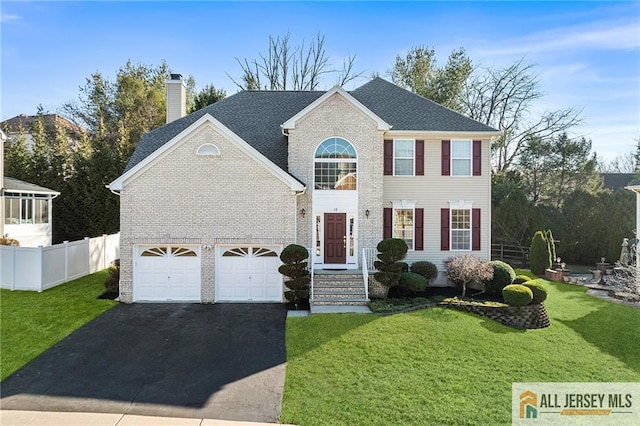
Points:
(173, 143)
(380, 123)
(419, 134)
(461, 204)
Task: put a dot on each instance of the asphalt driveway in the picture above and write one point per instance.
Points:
(222, 361)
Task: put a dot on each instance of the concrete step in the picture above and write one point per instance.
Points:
(339, 296)
(337, 277)
(327, 301)
(338, 285)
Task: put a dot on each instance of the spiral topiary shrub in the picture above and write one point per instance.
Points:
(427, 269)
(539, 291)
(517, 295)
(413, 282)
(519, 279)
(503, 275)
(294, 266)
(390, 253)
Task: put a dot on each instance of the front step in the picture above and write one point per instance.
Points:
(339, 290)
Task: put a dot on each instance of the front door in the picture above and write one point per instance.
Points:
(335, 238)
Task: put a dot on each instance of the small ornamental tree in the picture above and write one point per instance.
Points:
(552, 246)
(466, 269)
(295, 268)
(539, 254)
(390, 268)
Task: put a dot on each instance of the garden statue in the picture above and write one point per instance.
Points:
(624, 254)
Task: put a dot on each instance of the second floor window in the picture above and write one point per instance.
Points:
(461, 158)
(403, 157)
(335, 165)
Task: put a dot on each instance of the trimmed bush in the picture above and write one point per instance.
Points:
(294, 266)
(426, 269)
(391, 252)
(552, 247)
(539, 291)
(112, 284)
(539, 254)
(519, 279)
(517, 295)
(413, 282)
(503, 275)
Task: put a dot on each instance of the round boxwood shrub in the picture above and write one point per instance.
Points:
(539, 291)
(517, 295)
(426, 269)
(503, 275)
(520, 279)
(413, 282)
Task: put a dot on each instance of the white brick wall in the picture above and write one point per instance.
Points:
(336, 117)
(186, 198)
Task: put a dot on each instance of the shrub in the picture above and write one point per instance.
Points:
(539, 291)
(552, 246)
(426, 269)
(519, 279)
(112, 283)
(517, 295)
(295, 267)
(503, 275)
(539, 254)
(467, 269)
(391, 252)
(413, 282)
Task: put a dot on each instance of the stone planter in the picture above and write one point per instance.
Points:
(377, 290)
(524, 317)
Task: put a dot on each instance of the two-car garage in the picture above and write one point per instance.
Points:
(172, 273)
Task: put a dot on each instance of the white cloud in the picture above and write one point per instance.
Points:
(8, 17)
(599, 36)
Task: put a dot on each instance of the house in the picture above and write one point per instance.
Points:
(25, 208)
(210, 199)
(20, 126)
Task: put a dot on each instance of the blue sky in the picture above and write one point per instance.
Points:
(587, 53)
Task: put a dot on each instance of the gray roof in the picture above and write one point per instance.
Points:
(256, 116)
(16, 185)
(616, 181)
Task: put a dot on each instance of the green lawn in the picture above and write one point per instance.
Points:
(439, 366)
(31, 322)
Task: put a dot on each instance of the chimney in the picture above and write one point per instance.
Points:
(176, 98)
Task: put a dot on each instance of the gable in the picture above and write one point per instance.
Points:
(206, 120)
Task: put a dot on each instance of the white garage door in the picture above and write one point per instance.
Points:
(167, 273)
(248, 274)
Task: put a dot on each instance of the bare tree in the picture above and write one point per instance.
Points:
(467, 269)
(292, 68)
(503, 99)
(623, 163)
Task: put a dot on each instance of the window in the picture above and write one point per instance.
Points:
(461, 158)
(460, 229)
(403, 157)
(208, 149)
(403, 226)
(335, 165)
(26, 209)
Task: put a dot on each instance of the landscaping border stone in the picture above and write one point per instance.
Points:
(531, 316)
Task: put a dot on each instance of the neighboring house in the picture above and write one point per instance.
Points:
(20, 125)
(25, 208)
(616, 181)
(209, 200)
(27, 212)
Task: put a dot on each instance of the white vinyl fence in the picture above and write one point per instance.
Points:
(40, 268)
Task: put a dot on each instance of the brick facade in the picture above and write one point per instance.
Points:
(203, 200)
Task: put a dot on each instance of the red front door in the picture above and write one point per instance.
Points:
(335, 238)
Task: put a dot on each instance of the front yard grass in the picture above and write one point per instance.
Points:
(32, 322)
(440, 366)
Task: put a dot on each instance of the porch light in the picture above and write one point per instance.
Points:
(366, 213)
(303, 212)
